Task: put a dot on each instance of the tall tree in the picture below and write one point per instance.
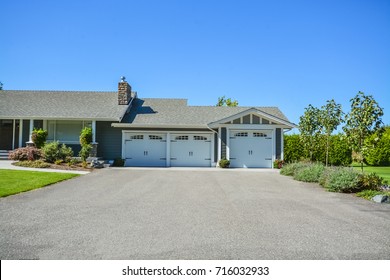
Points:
(1, 86)
(223, 101)
(330, 118)
(310, 128)
(364, 119)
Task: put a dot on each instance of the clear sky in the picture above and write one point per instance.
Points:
(262, 53)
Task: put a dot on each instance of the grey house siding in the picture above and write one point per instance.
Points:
(109, 140)
(278, 143)
(223, 142)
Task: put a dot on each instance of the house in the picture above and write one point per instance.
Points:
(145, 131)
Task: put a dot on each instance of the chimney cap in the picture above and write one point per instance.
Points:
(123, 79)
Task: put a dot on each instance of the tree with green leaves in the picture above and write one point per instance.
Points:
(1, 86)
(330, 117)
(310, 127)
(223, 101)
(364, 119)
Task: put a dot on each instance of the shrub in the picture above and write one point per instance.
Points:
(118, 162)
(58, 162)
(27, 153)
(310, 173)
(224, 163)
(34, 164)
(38, 137)
(73, 161)
(371, 181)
(378, 148)
(291, 168)
(278, 163)
(86, 136)
(341, 179)
(54, 151)
(84, 152)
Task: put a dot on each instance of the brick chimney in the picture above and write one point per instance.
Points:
(124, 92)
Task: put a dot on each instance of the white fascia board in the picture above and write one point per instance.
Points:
(128, 125)
(252, 111)
(254, 126)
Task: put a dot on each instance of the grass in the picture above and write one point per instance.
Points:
(383, 171)
(17, 181)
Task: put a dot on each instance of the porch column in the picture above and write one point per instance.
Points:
(13, 134)
(20, 133)
(93, 131)
(30, 142)
(219, 145)
(93, 152)
(282, 144)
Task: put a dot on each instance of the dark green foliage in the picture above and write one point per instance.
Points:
(54, 151)
(309, 173)
(378, 148)
(224, 163)
(38, 137)
(223, 101)
(84, 152)
(86, 136)
(118, 162)
(293, 149)
(339, 151)
(26, 153)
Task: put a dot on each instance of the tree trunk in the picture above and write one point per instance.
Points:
(327, 150)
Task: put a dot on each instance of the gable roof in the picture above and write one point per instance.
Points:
(29, 104)
(175, 112)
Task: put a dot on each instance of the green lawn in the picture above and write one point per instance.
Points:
(16, 181)
(383, 171)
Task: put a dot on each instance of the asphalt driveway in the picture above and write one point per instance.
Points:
(191, 214)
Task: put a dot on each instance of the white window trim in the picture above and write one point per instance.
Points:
(75, 142)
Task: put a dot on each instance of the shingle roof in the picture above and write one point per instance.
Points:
(154, 111)
(61, 105)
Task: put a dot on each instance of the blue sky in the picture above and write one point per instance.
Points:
(262, 53)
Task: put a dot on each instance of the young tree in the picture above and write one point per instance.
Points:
(223, 101)
(364, 119)
(330, 117)
(310, 128)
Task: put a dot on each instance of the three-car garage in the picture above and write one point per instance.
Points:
(246, 148)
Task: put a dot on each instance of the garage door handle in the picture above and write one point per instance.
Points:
(268, 138)
(268, 158)
(232, 158)
(173, 158)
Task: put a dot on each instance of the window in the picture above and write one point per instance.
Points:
(241, 134)
(138, 137)
(155, 137)
(259, 134)
(181, 137)
(66, 131)
(200, 138)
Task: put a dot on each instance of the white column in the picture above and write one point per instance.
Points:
(219, 145)
(282, 144)
(20, 133)
(168, 150)
(93, 131)
(273, 147)
(31, 130)
(227, 143)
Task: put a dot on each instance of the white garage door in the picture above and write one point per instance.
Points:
(191, 150)
(145, 149)
(252, 148)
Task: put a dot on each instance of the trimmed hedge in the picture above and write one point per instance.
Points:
(339, 151)
(26, 153)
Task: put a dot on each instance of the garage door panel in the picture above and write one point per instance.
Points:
(251, 148)
(191, 150)
(145, 149)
